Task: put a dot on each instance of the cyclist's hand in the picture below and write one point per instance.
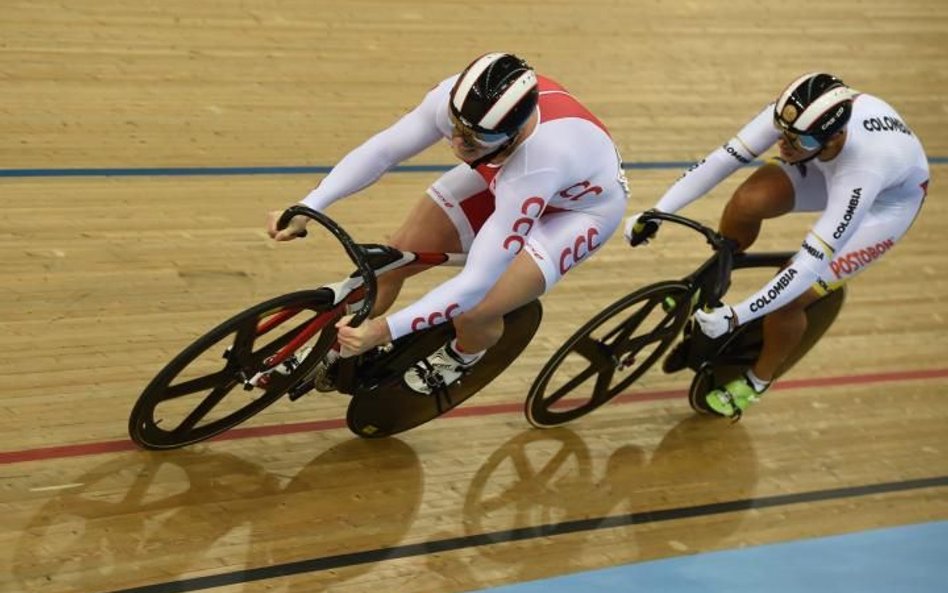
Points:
(296, 228)
(638, 232)
(716, 322)
(356, 340)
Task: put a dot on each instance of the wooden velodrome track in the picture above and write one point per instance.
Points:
(104, 278)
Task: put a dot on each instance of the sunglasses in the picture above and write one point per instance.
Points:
(474, 139)
(798, 141)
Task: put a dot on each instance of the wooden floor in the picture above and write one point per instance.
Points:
(104, 278)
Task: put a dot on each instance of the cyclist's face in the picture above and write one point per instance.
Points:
(795, 147)
(791, 150)
(468, 145)
(465, 150)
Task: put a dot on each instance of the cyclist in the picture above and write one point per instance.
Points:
(540, 188)
(845, 153)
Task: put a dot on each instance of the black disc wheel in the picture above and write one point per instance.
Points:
(230, 373)
(383, 404)
(608, 354)
(742, 348)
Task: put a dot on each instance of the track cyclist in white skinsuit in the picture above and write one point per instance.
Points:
(540, 188)
(842, 152)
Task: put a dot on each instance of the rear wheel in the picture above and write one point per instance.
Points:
(383, 405)
(194, 397)
(741, 350)
(608, 354)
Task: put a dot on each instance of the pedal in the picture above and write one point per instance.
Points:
(300, 389)
(677, 359)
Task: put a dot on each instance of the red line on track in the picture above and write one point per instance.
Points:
(78, 450)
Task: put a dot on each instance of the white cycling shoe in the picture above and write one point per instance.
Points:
(441, 369)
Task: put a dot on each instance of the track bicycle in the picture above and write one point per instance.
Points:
(270, 350)
(608, 354)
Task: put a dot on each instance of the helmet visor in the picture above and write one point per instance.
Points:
(798, 141)
(473, 138)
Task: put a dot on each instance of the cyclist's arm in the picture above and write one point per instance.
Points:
(363, 166)
(849, 201)
(753, 139)
(504, 234)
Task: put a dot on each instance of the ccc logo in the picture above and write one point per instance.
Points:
(581, 248)
(435, 318)
(531, 208)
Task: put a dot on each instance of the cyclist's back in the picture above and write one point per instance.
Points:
(880, 144)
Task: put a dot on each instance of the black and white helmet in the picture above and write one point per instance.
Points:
(494, 96)
(816, 105)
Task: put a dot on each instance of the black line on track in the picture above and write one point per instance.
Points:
(526, 533)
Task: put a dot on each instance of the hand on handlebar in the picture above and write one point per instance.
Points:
(296, 228)
(356, 340)
(716, 322)
(637, 232)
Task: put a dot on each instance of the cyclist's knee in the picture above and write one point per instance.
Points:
(427, 228)
(795, 307)
(765, 194)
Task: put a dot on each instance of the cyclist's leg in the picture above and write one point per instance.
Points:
(438, 222)
(878, 233)
(482, 326)
(767, 193)
(798, 188)
(783, 330)
(773, 190)
(556, 244)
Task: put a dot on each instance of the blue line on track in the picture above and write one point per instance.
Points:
(292, 170)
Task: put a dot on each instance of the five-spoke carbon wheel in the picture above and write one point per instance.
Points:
(608, 354)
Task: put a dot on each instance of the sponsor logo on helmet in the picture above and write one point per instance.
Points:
(789, 113)
(848, 216)
(832, 120)
(774, 291)
(885, 124)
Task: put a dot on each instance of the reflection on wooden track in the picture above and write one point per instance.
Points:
(105, 278)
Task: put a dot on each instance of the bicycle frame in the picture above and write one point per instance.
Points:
(711, 281)
(712, 278)
(301, 328)
(355, 293)
(620, 343)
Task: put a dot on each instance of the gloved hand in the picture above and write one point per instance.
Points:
(638, 232)
(296, 228)
(716, 322)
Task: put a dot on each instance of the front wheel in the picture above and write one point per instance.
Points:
(194, 397)
(609, 353)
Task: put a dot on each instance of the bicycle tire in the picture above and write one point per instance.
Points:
(242, 361)
(383, 405)
(741, 350)
(605, 358)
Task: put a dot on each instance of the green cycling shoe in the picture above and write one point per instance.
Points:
(732, 399)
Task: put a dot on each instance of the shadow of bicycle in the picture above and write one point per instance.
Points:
(151, 518)
(544, 483)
